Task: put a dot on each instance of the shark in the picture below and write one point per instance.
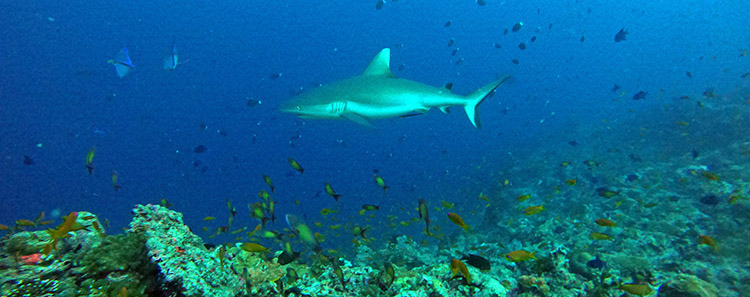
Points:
(379, 94)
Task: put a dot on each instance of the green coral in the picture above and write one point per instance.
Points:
(120, 261)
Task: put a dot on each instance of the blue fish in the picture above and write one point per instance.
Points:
(122, 63)
(596, 263)
(171, 61)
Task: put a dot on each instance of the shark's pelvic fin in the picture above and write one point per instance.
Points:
(358, 119)
(475, 98)
(381, 64)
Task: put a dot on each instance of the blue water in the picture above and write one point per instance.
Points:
(59, 98)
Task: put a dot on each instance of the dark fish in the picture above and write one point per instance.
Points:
(459, 61)
(252, 102)
(522, 46)
(497, 45)
(632, 177)
(449, 86)
(533, 38)
(517, 26)
(200, 149)
(573, 142)
(448, 23)
(583, 37)
(477, 261)
(287, 257)
(276, 75)
(615, 88)
(596, 263)
(455, 51)
(515, 61)
(640, 95)
(481, 2)
(197, 163)
(505, 32)
(379, 4)
(690, 75)
(746, 75)
(710, 200)
(695, 155)
(451, 42)
(28, 160)
(620, 36)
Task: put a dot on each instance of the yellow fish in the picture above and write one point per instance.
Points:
(600, 236)
(519, 255)
(532, 210)
(636, 289)
(459, 267)
(295, 166)
(209, 218)
(606, 223)
(253, 247)
(524, 197)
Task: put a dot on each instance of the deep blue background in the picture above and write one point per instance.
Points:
(56, 89)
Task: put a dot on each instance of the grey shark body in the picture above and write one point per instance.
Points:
(378, 94)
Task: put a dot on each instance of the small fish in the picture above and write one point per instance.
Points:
(600, 236)
(447, 24)
(164, 203)
(268, 181)
(481, 2)
(25, 223)
(90, 161)
(710, 176)
(477, 261)
(456, 219)
(28, 160)
(709, 241)
(370, 207)
(114, 181)
(379, 4)
(253, 247)
(517, 26)
(620, 36)
(360, 231)
(386, 276)
(636, 289)
(596, 263)
(532, 210)
(446, 204)
(606, 193)
(690, 75)
(459, 267)
(39, 217)
(381, 183)
(615, 88)
(523, 197)
(424, 214)
(331, 192)
(172, 60)
(571, 182)
(640, 95)
(209, 218)
(295, 165)
(338, 272)
(520, 255)
(522, 46)
(122, 63)
(605, 223)
(291, 275)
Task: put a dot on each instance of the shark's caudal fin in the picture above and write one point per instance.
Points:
(475, 98)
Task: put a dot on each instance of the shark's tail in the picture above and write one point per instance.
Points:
(475, 98)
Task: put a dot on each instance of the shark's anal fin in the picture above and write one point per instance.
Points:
(358, 119)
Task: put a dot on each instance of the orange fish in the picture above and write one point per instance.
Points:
(606, 223)
(524, 197)
(710, 175)
(456, 219)
(571, 182)
(459, 267)
(32, 259)
(709, 241)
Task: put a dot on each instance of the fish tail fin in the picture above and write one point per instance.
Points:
(475, 98)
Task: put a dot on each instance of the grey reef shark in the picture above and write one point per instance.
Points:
(379, 94)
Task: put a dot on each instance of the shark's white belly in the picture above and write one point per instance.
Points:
(372, 111)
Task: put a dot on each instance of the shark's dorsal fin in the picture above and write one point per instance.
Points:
(381, 64)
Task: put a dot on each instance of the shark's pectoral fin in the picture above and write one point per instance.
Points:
(358, 119)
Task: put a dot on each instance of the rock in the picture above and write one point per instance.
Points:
(688, 286)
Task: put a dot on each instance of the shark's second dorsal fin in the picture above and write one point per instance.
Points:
(381, 64)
